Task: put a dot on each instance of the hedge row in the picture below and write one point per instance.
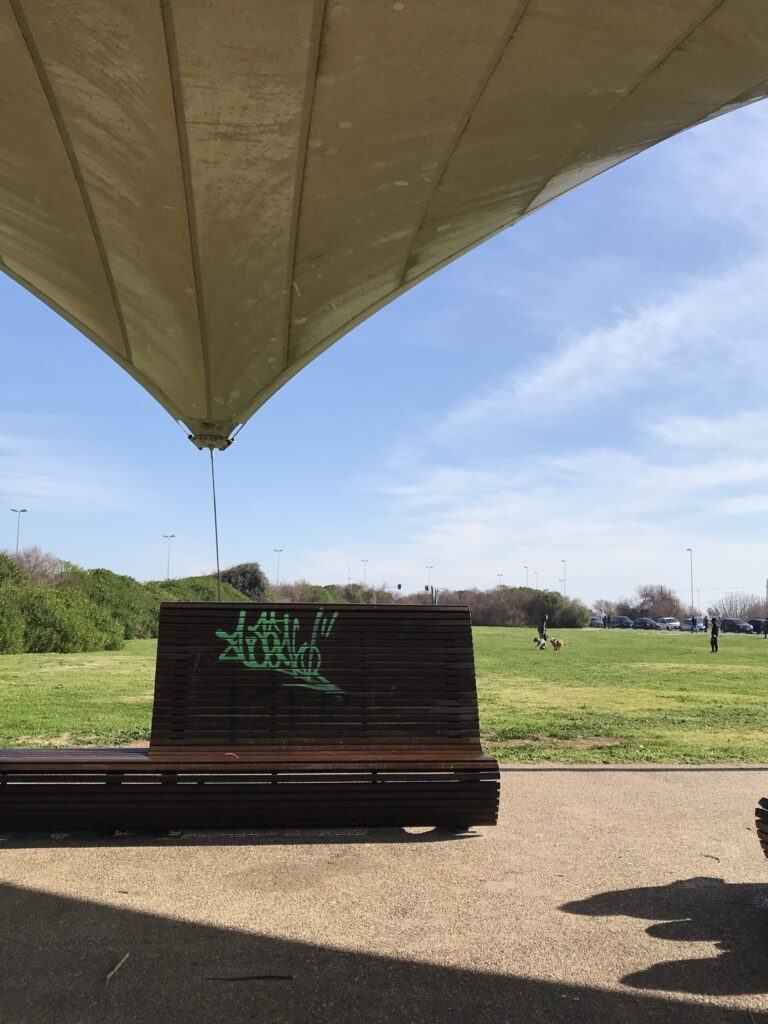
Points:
(88, 609)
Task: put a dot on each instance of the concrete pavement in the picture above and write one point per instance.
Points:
(604, 895)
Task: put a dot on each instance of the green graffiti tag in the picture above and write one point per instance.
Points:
(272, 644)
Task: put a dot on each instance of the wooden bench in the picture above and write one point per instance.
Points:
(283, 716)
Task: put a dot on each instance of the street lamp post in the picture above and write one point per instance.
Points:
(18, 512)
(365, 568)
(526, 574)
(429, 569)
(498, 577)
(563, 561)
(690, 552)
(169, 537)
(277, 574)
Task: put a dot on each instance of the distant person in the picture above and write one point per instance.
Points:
(543, 628)
(610, 621)
(605, 622)
(706, 623)
(694, 623)
(714, 635)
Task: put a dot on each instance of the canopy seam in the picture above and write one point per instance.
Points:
(512, 26)
(166, 11)
(109, 350)
(310, 87)
(596, 127)
(58, 119)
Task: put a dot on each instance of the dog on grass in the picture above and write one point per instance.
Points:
(540, 642)
(557, 644)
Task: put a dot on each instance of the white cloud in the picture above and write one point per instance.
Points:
(744, 431)
(746, 504)
(720, 321)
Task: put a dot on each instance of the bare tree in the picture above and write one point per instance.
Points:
(655, 600)
(41, 567)
(738, 604)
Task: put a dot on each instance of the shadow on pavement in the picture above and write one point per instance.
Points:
(233, 837)
(733, 916)
(65, 960)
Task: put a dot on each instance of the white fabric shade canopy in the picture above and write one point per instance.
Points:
(214, 191)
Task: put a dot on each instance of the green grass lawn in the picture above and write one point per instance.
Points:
(617, 696)
(608, 697)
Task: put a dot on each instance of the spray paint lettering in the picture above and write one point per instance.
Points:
(273, 644)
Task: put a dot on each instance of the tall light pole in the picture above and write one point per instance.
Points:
(537, 579)
(690, 552)
(429, 569)
(563, 561)
(365, 568)
(18, 512)
(169, 537)
(277, 574)
(498, 577)
(526, 574)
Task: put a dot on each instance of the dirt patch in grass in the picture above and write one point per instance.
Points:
(104, 662)
(707, 666)
(65, 740)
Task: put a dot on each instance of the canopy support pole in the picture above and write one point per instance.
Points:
(215, 525)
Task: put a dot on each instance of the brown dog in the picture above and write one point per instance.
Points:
(557, 644)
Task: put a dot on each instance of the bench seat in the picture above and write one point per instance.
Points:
(386, 734)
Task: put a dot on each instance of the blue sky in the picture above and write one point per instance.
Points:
(589, 386)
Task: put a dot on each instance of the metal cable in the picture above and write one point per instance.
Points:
(215, 525)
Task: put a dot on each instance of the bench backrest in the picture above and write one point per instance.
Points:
(268, 676)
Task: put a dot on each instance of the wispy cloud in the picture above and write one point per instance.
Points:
(744, 431)
(720, 320)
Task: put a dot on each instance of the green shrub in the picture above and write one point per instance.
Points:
(122, 597)
(62, 619)
(248, 578)
(193, 588)
(11, 571)
(11, 618)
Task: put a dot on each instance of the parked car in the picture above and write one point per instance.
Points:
(621, 622)
(757, 624)
(645, 623)
(667, 622)
(595, 622)
(685, 626)
(735, 626)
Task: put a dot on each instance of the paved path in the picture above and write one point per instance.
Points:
(604, 896)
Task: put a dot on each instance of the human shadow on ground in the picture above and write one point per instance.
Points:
(734, 916)
(77, 962)
(233, 837)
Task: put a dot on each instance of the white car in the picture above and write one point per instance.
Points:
(668, 623)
